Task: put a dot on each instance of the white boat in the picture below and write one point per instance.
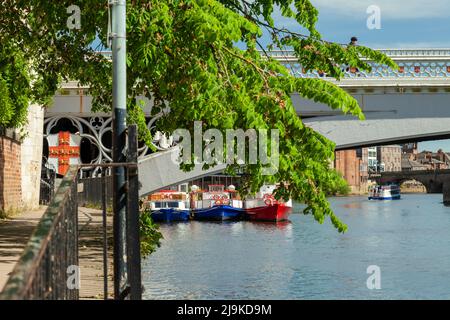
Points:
(169, 205)
(386, 192)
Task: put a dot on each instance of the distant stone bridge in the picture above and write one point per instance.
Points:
(435, 181)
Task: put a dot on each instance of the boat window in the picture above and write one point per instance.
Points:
(172, 204)
(158, 204)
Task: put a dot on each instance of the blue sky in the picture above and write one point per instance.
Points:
(404, 24)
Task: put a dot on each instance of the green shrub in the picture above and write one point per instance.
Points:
(150, 236)
(339, 185)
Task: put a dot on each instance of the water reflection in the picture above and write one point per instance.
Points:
(353, 205)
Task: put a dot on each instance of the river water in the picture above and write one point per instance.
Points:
(408, 239)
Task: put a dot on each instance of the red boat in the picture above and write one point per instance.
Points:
(274, 212)
(267, 208)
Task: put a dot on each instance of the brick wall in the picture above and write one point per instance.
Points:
(349, 164)
(10, 172)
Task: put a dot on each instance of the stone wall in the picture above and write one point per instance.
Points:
(32, 157)
(10, 172)
(20, 164)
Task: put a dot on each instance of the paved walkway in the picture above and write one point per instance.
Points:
(91, 254)
(14, 235)
(15, 232)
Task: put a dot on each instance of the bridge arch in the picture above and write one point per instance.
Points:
(433, 180)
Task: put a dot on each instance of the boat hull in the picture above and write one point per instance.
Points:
(397, 197)
(274, 213)
(170, 215)
(218, 213)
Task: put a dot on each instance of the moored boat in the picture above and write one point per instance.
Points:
(384, 192)
(266, 208)
(169, 206)
(170, 215)
(217, 205)
(275, 212)
(218, 213)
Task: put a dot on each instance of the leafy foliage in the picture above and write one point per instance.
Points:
(14, 87)
(149, 234)
(337, 186)
(184, 53)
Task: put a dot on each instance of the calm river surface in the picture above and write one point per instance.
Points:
(408, 239)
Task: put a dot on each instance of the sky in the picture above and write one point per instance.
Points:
(404, 24)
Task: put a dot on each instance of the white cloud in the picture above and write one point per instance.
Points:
(390, 9)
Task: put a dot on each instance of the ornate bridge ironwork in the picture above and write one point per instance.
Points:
(413, 63)
(94, 128)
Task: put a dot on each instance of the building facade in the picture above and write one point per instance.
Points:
(372, 159)
(389, 158)
(352, 164)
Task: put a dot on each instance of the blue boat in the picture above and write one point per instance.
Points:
(170, 215)
(169, 206)
(218, 213)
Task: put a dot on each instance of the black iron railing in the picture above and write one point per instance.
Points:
(48, 266)
(48, 178)
(91, 190)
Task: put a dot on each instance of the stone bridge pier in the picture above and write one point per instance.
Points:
(446, 193)
(432, 186)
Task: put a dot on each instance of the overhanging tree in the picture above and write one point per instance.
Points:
(185, 53)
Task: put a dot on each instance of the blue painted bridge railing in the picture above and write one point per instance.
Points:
(413, 63)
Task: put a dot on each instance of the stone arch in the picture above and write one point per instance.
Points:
(413, 185)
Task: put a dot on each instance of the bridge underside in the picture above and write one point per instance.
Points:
(391, 117)
(351, 133)
(158, 170)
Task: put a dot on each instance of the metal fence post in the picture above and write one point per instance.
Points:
(105, 236)
(119, 127)
(133, 240)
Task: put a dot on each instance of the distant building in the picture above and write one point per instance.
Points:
(410, 148)
(352, 164)
(347, 163)
(389, 158)
(372, 159)
(443, 156)
(408, 164)
(433, 160)
(363, 155)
